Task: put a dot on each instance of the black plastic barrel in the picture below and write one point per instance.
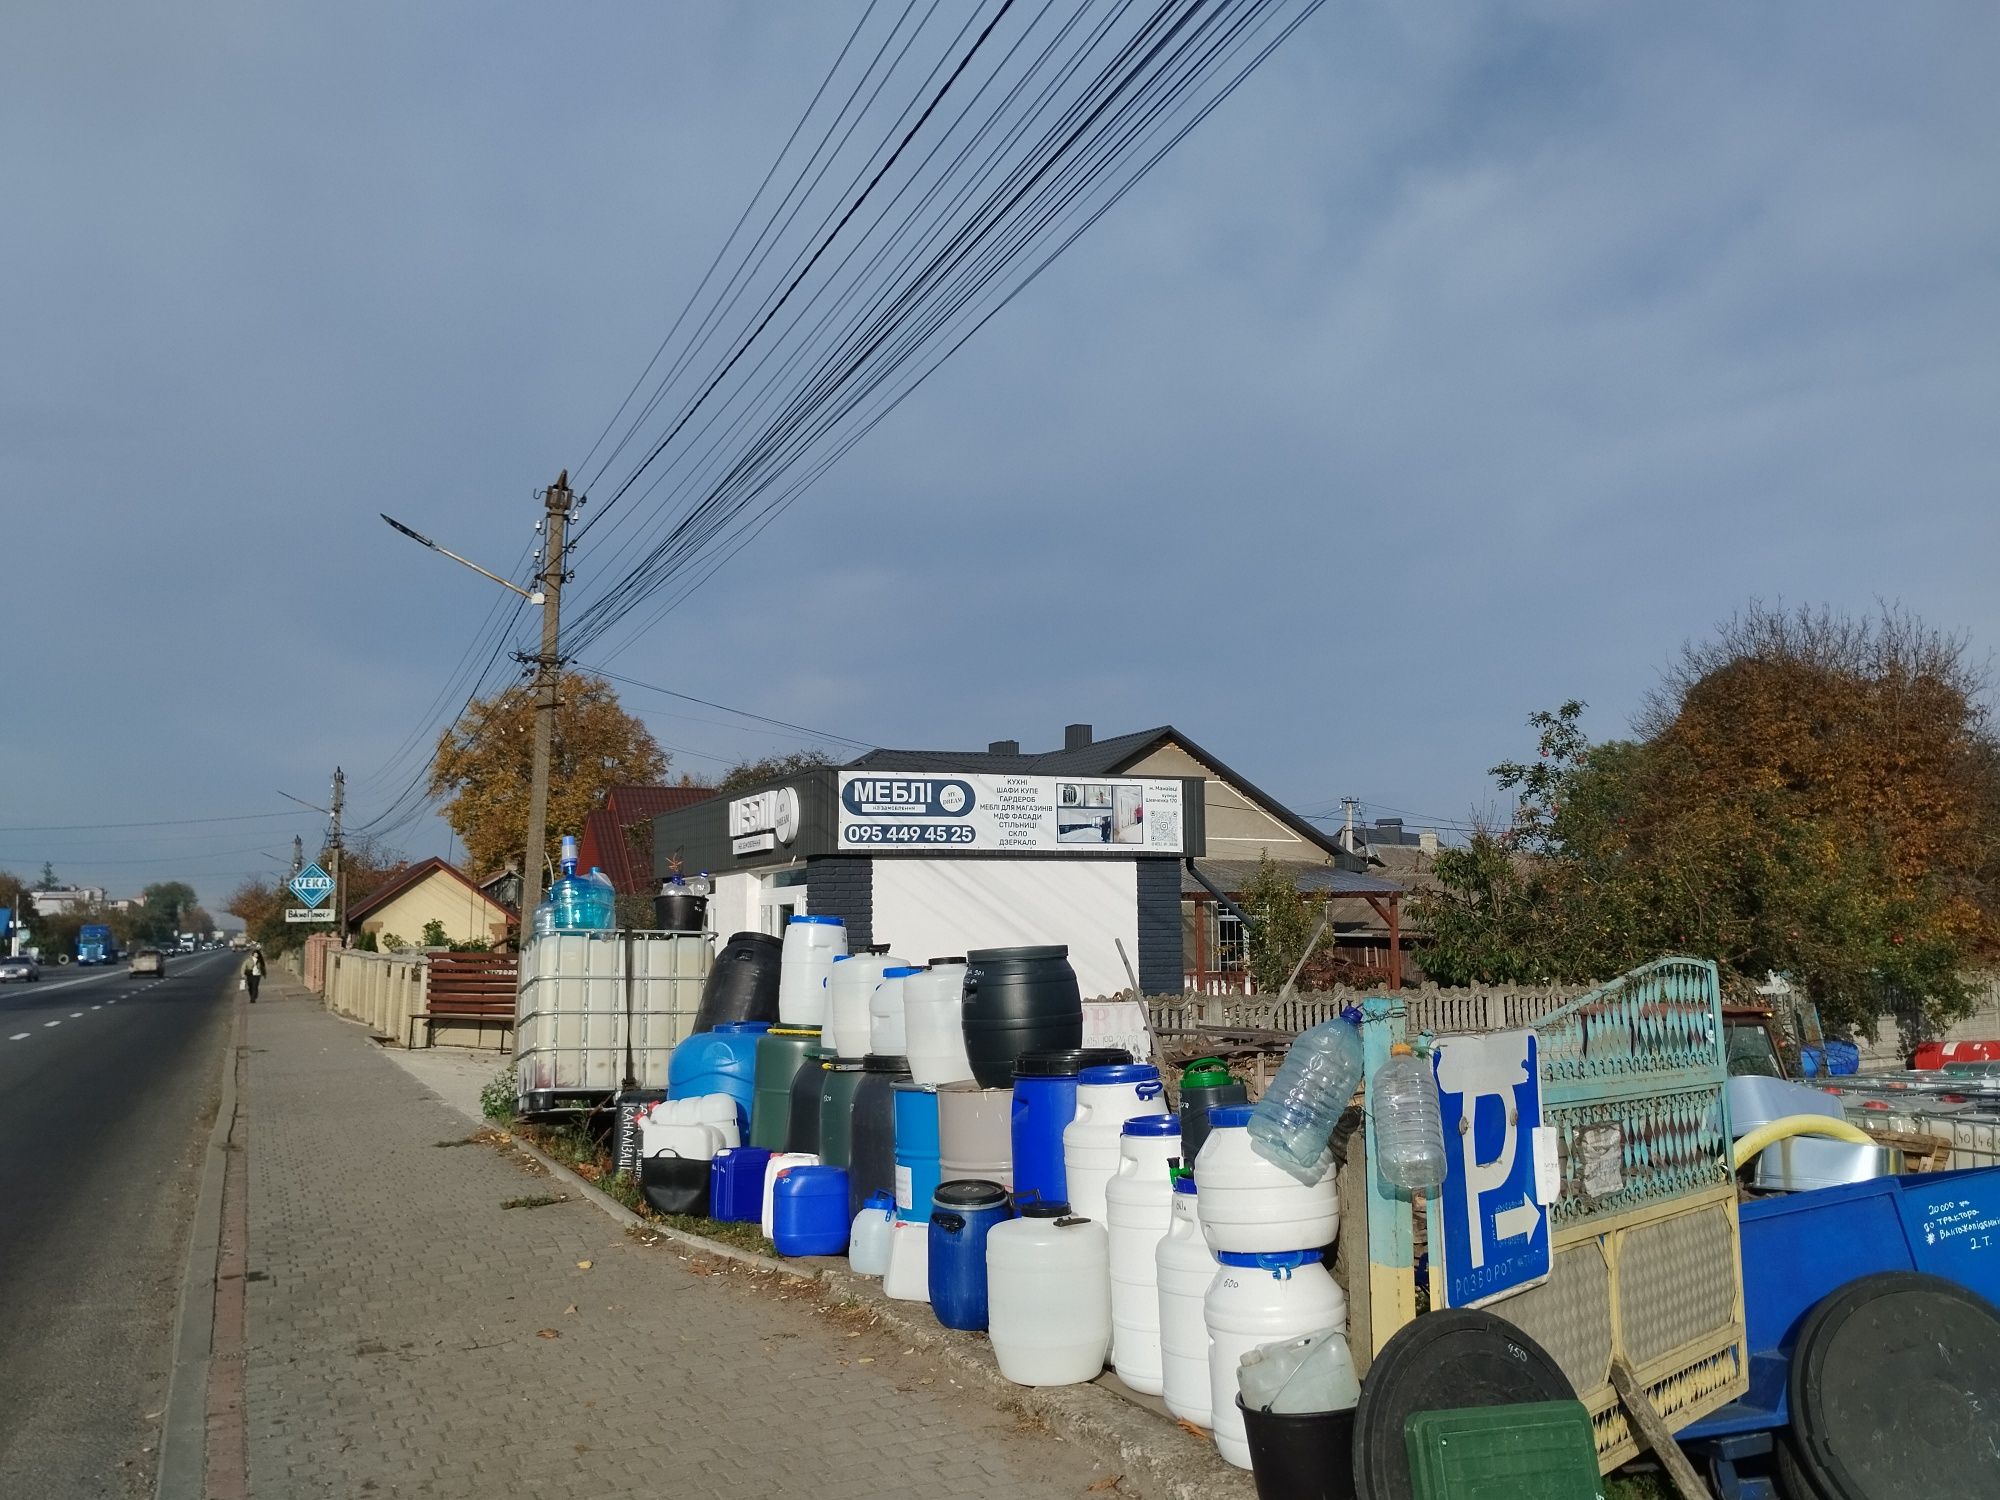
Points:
(1018, 1000)
(781, 1053)
(678, 909)
(871, 1154)
(836, 1112)
(802, 1126)
(742, 985)
(1300, 1455)
(1204, 1084)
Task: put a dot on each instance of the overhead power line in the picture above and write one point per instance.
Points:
(152, 823)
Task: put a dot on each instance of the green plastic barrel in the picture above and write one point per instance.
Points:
(781, 1052)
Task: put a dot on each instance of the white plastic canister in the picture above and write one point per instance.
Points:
(934, 1021)
(887, 1031)
(849, 987)
(1186, 1268)
(1138, 1206)
(1048, 1296)
(1106, 1098)
(1259, 1299)
(868, 1240)
(811, 944)
(908, 1278)
(1250, 1205)
(781, 1163)
(697, 1127)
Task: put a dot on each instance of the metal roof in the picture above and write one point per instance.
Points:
(1233, 875)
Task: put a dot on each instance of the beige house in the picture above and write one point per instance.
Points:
(430, 891)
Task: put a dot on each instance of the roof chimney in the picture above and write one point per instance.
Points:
(1004, 747)
(1076, 736)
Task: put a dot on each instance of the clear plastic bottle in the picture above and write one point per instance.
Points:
(567, 897)
(1293, 1123)
(600, 901)
(1409, 1128)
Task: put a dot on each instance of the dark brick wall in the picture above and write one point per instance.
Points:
(1159, 956)
(843, 886)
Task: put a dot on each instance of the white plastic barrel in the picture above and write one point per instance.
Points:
(934, 1023)
(887, 1032)
(1273, 1297)
(1139, 1204)
(1186, 1269)
(849, 987)
(811, 942)
(781, 1163)
(1106, 1098)
(1249, 1204)
(1048, 1296)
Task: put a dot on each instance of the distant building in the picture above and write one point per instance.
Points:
(64, 899)
(430, 891)
(618, 837)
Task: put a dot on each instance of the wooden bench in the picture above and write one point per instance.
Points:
(467, 987)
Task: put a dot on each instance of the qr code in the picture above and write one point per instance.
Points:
(1167, 829)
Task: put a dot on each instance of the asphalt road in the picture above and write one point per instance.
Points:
(108, 1087)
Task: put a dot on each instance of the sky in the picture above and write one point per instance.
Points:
(1463, 361)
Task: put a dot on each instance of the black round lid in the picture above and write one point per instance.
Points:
(756, 937)
(1895, 1389)
(957, 960)
(1066, 1062)
(882, 1062)
(1042, 1208)
(1017, 955)
(969, 1192)
(1444, 1360)
(877, 948)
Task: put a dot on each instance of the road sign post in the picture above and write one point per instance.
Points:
(1490, 1221)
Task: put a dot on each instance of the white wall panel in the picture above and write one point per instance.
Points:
(927, 908)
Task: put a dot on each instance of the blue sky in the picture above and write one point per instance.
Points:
(1466, 360)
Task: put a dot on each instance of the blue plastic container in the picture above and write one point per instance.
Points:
(809, 1212)
(917, 1173)
(736, 1183)
(722, 1061)
(1044, 1104)
(963, 1213)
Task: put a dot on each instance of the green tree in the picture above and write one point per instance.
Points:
(48, 882)
(750, 773)
(1282, 923)
(434, 934)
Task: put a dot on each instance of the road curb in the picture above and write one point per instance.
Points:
(184, 1422)
(1166, 1459)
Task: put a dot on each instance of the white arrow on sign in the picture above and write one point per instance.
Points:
(1517, 1223)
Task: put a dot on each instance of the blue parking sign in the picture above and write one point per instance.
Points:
(1489, 1223)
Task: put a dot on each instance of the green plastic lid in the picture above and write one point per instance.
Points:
(1205, 1073)
(1538, 1450)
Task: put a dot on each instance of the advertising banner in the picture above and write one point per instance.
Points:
(1010, 814)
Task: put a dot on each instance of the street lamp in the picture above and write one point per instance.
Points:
(537, 597)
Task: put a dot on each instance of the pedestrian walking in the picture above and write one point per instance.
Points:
(253, 972)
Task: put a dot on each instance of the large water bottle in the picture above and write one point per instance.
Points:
(1292, 1124)
(568, 899)
(600, 901)
(1409, 1128)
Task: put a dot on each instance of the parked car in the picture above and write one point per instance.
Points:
(149, 961)
(23, 968)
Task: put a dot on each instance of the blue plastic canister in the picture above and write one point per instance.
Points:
(917, 1172)
(1044, 1104)
(722, 1061)
(736, 1183)
(962, 1214)
(809, 1212)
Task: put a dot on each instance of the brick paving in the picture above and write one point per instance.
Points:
(395, 1312)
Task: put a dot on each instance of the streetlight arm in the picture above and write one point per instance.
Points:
(417, 536)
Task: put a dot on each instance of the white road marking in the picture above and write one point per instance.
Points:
(19, 1036)
(97, 1007)
(51, 1023)
(76, 1015)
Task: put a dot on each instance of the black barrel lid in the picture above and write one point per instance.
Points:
(1067, 1062)
(1017, 955)
(876, 948)
(957, 960)
(1895, 1389)
(750, 939)
(882, 1062)
(1042, 1208)
(969, 1192)
(1451, 1358)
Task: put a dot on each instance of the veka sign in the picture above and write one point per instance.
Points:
(1490, 1220)
(311, 885)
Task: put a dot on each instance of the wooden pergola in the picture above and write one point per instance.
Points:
(1384, 898)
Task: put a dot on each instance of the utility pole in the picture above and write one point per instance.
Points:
(298, 853)
(548, 662)
(333, 843)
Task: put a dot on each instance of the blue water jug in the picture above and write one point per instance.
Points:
(722, 1061)
(963, 1213)
(917, 1172)
(1044, 1104)
(736, 1183)
(809, 1212)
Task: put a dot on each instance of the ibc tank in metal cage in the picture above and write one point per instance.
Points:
(596, 1006)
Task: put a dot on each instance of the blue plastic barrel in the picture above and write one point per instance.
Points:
(722, 1061)
(736, 1183)
(1044, 1104)
(809, 1212)
(962, 1214)
(917, 1172)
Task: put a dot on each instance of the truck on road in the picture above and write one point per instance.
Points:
(95, 944)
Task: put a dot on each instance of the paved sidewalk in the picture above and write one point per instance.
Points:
(396, 1318)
